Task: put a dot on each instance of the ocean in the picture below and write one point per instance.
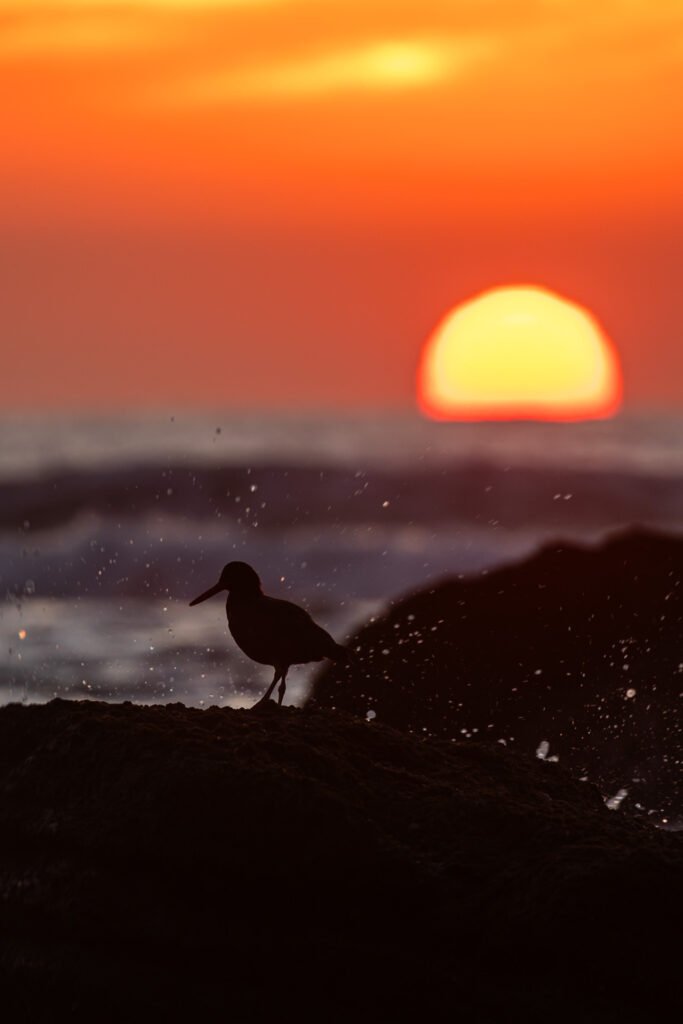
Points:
(109, 526)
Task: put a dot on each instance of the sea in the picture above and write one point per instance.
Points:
(110, 525)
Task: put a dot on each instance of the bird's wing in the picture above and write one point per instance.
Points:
(289, 614)
(295, 632)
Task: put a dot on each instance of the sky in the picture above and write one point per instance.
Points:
(271, 203)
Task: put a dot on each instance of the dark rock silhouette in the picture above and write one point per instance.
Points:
(576, 653)
(269, 630)
(165, 863)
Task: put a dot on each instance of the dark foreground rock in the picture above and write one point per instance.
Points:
(576, 648)
(162, 862)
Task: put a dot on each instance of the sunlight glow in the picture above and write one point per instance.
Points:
(383, 65)
(519, 353)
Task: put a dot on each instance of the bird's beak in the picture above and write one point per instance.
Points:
(208, 593)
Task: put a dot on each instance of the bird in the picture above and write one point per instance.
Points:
(269, 630)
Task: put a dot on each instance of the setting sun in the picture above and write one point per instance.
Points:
(519, 353)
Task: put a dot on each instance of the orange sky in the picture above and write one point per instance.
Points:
(273, 201)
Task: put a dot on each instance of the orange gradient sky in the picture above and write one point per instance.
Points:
(273, 201)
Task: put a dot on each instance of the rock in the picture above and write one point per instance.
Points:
(162, 861)
(576, 654)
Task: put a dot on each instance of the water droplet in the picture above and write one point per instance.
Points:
(614, 801)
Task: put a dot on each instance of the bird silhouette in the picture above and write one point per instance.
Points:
(269, 630)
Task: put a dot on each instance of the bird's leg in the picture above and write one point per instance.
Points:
(266, 695)
(283, 686)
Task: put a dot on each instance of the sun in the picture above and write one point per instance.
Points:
(519, 352)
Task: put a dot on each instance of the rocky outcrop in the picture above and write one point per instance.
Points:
(576, 653)
(159, 862)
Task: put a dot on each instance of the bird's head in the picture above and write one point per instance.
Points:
(236, 576)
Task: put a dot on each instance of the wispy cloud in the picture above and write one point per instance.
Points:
(73, 35)
(79, 26)
(65, 5)
(131, 6)
(374, 67)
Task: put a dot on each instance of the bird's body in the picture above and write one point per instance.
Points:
(269, 630)
(275, 632)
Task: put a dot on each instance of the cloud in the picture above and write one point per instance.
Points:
(79, 26)
(71, 36)
(67, 5)
(379, 66)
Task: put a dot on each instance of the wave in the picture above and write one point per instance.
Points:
(276, 497)
(97, 557)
